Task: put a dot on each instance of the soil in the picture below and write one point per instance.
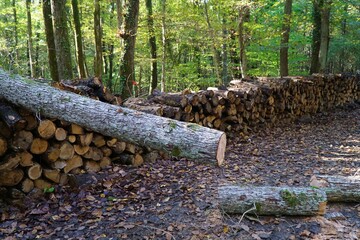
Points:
(177, 198)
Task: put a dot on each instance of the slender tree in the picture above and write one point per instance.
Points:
(244, 16)
(98, 64)
(62, 42)
(285, 34)
(50, 41)
(79, 41)
(325, 35)
(216, 57)
(316, 36)
(163, 42)
(127, 64)
(16, 37)
(152, 43)
(30, 40)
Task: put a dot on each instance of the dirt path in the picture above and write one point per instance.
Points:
(177, 199)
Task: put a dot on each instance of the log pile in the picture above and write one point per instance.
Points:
(42, 152)
(248, 104)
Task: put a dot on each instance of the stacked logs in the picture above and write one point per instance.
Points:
(248, 104)
(39, 153)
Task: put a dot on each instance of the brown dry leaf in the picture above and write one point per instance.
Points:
(97, 213)
(107, 184)
(90, 198)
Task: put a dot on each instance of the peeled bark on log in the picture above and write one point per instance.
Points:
(177, 138)
(273, 200)
(338, 188)
(11, 178)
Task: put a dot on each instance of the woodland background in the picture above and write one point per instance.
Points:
(177, 44)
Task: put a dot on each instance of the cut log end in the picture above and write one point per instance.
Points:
(220, 155)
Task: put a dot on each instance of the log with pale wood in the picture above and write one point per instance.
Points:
(267, 200)
(176, 138)
(338, 188)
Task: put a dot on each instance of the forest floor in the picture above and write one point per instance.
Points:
(177, 199)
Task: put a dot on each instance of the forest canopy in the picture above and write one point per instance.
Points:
(136, 46)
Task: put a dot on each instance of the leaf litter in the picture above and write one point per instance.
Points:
(177, 198)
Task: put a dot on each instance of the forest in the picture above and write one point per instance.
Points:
(136, 46)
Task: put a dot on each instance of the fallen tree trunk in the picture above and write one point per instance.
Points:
(272, 200)
(338, 188)
(176, 138)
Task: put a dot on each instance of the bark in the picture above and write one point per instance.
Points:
(216, 58)
(152, 43)
(224, 74)
(272, 200)
(50, 41)
(98, 65)
(15, 32)
(316, 36)
(177, 138)
(244, 16)
(325, 38)
(285, 34)
(163, 42)
(338, 188)
(127, 65)
(30, 41)
(62, 42)
(79, 44)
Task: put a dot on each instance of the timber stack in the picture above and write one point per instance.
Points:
(40, 153)
(252, 103)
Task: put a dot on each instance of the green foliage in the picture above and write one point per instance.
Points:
(189, 47)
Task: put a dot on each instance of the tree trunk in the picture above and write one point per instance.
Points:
(163, 41)
(285, 34)
(316, 36)
(62, 42)
(338, 188)
(127, 65)
(272, 200)
(15, 60)
(98, 65)
(176, 138)
(30, 41)
(325, 38)
(216, 58)
(50, 41)
(79, 44)
(152, 43)
(244, 16)
(224, 74)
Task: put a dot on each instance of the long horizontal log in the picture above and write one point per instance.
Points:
(272, 200)
(176, 138)
(338, 188)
